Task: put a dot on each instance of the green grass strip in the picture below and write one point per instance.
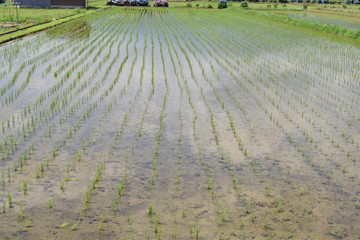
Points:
(319, 26)
(28, 31)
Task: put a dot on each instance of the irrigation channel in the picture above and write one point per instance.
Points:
(179, 124)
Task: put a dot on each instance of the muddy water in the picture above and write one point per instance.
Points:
(179, 124)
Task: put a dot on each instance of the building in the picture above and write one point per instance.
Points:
(52, 3)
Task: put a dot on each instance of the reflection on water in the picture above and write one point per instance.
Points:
(74, 29)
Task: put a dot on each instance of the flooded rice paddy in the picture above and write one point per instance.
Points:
(179, 124)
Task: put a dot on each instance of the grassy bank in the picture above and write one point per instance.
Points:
(40, 27)
(315, 25)
(12, 19)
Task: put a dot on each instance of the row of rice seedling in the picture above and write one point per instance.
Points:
(222, 211)
(41, 168)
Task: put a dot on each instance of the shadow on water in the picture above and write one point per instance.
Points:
(74, 29)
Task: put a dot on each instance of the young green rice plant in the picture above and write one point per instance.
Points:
(209, 183)
(302, 191)
(253, 164)
(224, 215)
(280, 206)
(101, 224)
(266, 223)
(10, 200)
(197, 232)
(37, 174)
(120, 188)
(115, 205)
(357, 204)
(62, 186)
(47, 160)
(157, 223)
(3, 179)
(15, 166)
(343, 169)
(3, 209)
(25, 185)
(42, 168)
(328, 175)
(338, 232)
(28, 223)
(268, 190)
(8, 174)
(248, 207)
(74, 227)
(83, 145)
(150, 210)
(64, 224)
(21, 212)
(313, 163)
(86, 204)
(50, 204)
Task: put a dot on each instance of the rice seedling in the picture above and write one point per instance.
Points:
(267, 225)
(101, 224)
(74, 227)
(37, 174)
(64, 224)
(280, 206)
(224, 215)
(3, 179)
(4, 207)
(42, 168)
(8, 174)
(10, 200)
(21, 212)
(50, 204)
(209, 183)
(157, 223)
(25, 185)
(150, 210)
(197, 232)
(120, 188)
(28, 223)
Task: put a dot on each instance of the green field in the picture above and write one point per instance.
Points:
(182, 123)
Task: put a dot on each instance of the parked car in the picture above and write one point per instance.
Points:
(134, 3)
(161, 3)
(222, 4)
(124, 3)
(144, 3)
